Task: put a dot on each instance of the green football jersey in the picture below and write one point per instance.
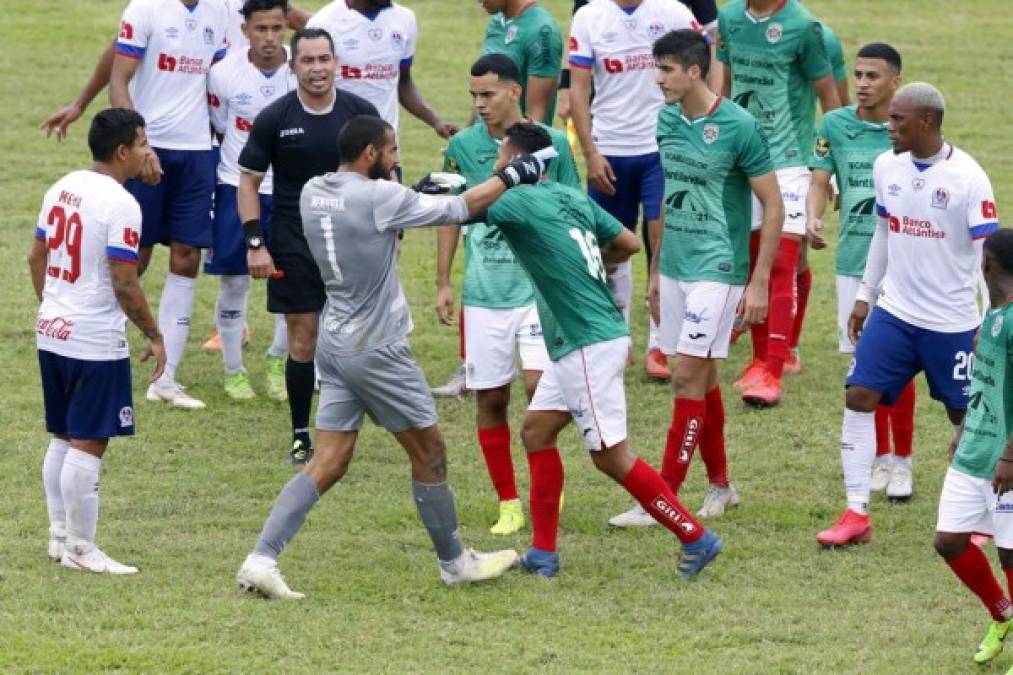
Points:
(835, 52)
(989, 418)
(708, 201)
(847, 145)
(556, 232)
(492, 277)
(533, 40)
(773, 62)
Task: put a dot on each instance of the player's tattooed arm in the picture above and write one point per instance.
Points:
(61, 119)
(130, 296)
(37, 266)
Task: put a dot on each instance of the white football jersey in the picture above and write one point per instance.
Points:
(176, 47)
(237, 92)
(934, 214)
(616, 46)
(234, 38)
(371, 51)
(87, 219)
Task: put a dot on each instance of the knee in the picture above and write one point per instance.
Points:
(493, 402)
(302, 341)
(683, 382)
(1006, 558)
(861, 399)
(949, 546)
(184, 260)
(533, 438)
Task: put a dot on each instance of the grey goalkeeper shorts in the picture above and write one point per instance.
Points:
(384, 383)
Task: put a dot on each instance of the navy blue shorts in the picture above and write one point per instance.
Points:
(890, 352)
(228, 253)
(86, 399)
(639, 182)
(179, 207)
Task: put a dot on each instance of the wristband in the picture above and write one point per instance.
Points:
(564, 78)
(252, 228)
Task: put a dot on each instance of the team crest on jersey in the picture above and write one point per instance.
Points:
(397, 39)
(453, 166)
(822, 146)
(655, 30)
(126, 416)
(268, 90)
(918, 184)
(375, 34)
(191, 24)
(775, 32)
(609, 37)
(711, 132)
(511, 35)
(243, 98)
(209, 35)
(940, 198)
(350, 44)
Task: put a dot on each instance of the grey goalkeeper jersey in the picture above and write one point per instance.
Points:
(351, 225)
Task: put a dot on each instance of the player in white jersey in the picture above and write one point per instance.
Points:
(935, 206)
(239, 87)
(84, 270)
(374, 41)
(610, 45)
(235, 38)
(163, 53)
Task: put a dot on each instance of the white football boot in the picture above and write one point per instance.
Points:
(93, 560)
(901, 481)
(717, 500)
(168, 391)
(260, 574)
(882, 470)
(474, 566)
(635, 517)
(454, 387)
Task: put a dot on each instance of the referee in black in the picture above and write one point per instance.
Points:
(297, 137)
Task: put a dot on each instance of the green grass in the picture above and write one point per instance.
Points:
(185, 498)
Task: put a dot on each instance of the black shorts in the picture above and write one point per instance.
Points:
(299, 291)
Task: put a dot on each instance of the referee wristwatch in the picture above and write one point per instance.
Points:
(255, 242)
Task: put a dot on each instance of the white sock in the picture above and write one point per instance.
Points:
(52, 465)
(906, 461)
(653, 335)
(279, 345)
(858, 451)
(620, 282)
(79, 484)
(230, 318)
(174, 319)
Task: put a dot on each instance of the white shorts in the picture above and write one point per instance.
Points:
(847, 293)
(492, 337)
(588, 383)
(794, 184)
(697, 317)
(967, 504)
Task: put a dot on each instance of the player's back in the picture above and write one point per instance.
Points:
(343, 220)
(934, 214)
(87, 218)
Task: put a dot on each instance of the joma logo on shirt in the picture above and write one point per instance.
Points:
(295, 131)
(329, 203)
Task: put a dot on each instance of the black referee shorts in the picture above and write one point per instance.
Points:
(299, 291)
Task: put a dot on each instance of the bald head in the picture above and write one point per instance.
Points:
(922, 97)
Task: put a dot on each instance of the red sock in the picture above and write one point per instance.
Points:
(712, 440)
(495, 444)
(902, 421)
(882, 430)
(972, 568)
(650, 490)
(546, 487)
(1009, 577)
(781, 315)
(687, 423)
(803, 284)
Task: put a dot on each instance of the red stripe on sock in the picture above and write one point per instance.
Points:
(495, 444)
(902, 421)
(712, 439)
(972, 568)
(546, 468)
(657, 498)
(688, 416)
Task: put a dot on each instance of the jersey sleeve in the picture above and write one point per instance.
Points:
(40, 224)
(721, 50)
(754, 151)
(982, 214)
(255, 156)
(410, 42)
(135, 30)
(565, 166)
(606, 227)
(838, 67)
(877, 186)
(705, 11)
(218, 101)
(124, 234)
(451, 161)
(823, 151)
(812, 53)
(545, 51)
(581, 53)
(396, 207)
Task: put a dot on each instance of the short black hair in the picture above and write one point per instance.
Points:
(686, 47)
(309, 34)
(112, 128)
(500, 65)
(881, 50)
(528, 137)
(999, 244)
(251, 6)
(359, 133)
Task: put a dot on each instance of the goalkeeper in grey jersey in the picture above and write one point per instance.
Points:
(351, 219)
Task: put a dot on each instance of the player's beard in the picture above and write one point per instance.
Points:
(378, 170)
